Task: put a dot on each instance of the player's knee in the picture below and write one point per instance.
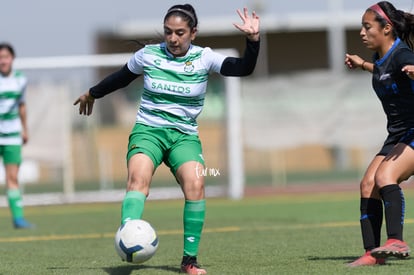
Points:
(194, 189)
(12, 185)
(12, 182)
(198, 184)
(138, 183)
(383, 178)
(366, 186)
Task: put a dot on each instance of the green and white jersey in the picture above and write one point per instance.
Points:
(174, 87)
(12, 90)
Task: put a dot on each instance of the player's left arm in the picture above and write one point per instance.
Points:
(23, 119)
(250, 26)
(406, 61)
(409, 70)
(233, 66)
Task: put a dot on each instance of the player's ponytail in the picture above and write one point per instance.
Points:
(407, 30)
(402, 22)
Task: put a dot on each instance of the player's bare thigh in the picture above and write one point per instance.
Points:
(12, 171)
(368, 187)
(396, 167)
(191, 181)
(140, 171)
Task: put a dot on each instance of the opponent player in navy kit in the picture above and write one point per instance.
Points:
(175, 75)
(387, 31)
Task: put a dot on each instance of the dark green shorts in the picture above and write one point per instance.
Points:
(166, 145)
(11, 154)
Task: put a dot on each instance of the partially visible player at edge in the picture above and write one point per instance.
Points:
(13, 129)
(175, 75)
(388, 32)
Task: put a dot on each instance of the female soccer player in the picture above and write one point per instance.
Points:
(13, 129)
(175, 76)
(388, 31)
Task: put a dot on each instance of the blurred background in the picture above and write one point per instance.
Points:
(303, 117)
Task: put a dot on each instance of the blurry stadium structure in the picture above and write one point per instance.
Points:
(304, 118)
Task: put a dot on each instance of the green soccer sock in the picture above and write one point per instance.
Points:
(132, 206)
(194, 213)
(15, 203)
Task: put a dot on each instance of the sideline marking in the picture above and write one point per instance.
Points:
(178, 232)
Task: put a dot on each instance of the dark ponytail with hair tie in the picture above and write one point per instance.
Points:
(402, 22)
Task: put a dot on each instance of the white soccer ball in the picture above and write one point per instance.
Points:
(136, 241)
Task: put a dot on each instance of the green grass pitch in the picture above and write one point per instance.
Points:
(291, 234)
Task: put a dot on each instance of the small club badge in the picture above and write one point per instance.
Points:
(189, 67)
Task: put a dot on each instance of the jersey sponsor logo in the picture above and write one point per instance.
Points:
(170, 87)
(157, 62)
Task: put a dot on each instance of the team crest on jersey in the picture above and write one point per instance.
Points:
(189, 67)
(157, 62)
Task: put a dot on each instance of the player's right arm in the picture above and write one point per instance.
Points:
(109, 84)
(354, 61)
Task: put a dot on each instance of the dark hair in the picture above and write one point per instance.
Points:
(186, 11)
(402, 22)
(8, 47)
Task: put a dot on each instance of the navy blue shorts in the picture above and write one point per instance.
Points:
(392, 140)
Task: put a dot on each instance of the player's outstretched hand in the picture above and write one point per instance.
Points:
(250, 26)
(85, 102)
(409, 70)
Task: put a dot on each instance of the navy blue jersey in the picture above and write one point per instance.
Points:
(394, 88)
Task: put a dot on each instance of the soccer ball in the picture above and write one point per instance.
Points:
(136, 241)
